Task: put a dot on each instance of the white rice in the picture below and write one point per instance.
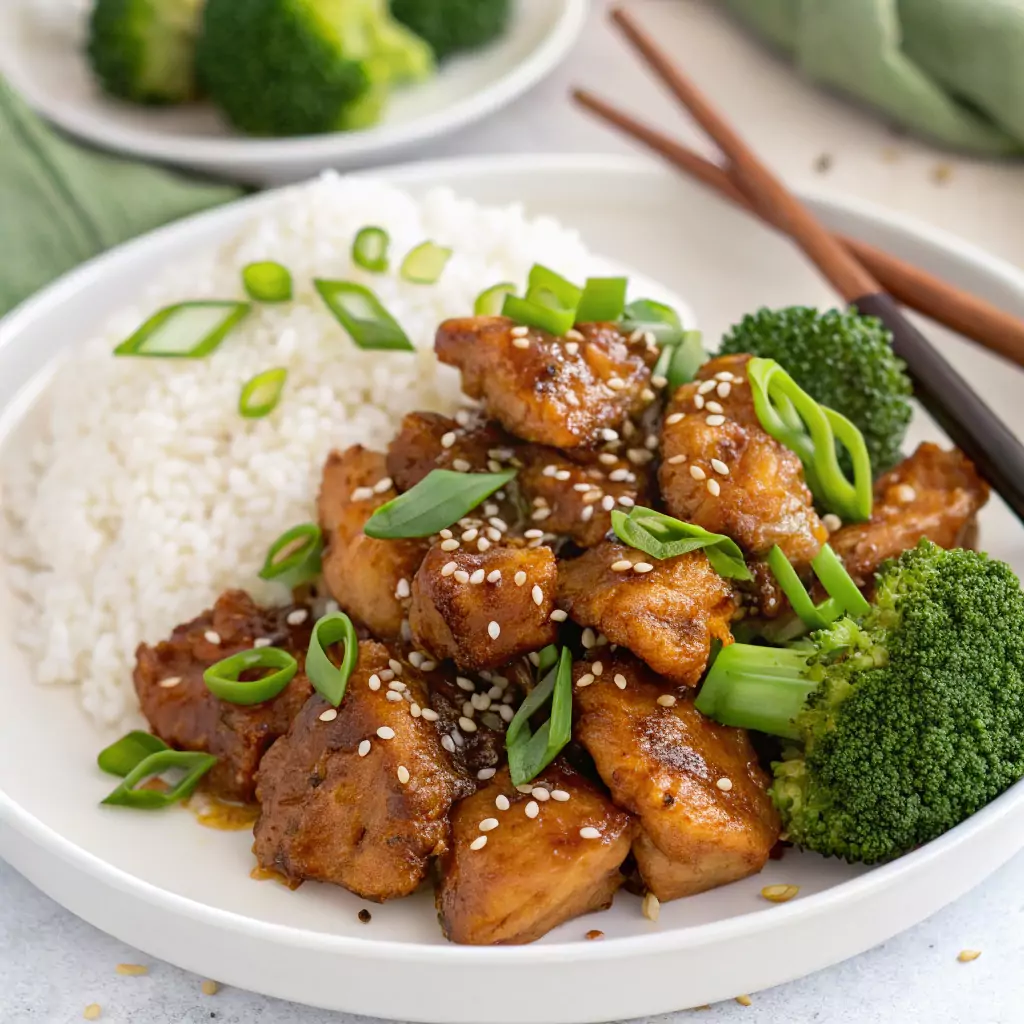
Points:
(147, 494)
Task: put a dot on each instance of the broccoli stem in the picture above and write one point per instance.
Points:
(761, 688)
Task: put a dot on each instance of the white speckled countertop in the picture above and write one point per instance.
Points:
(52, 964)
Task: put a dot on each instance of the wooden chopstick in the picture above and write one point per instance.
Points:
(952, 402)
(959, 310)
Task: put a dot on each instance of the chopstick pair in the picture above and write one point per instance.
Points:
(952, 402)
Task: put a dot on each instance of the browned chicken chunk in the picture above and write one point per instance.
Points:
(668, 615)
(696, 786)
(722, 471)
(483, 609)
(359, 797)
(369, 578)
(456, 699)
(509, 878)
(934, 494)
(184, 714)
(565, 392)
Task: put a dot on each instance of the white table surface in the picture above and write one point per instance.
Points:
(52, 964)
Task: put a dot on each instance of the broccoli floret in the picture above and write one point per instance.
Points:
(300, 67)
(453, 25)
(844, 361)
(903, 723)
(144, 50)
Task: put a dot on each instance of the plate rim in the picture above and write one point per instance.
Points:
(206, 151)
(745, 925)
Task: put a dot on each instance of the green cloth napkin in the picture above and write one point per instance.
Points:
(950, 69)
(61, 203)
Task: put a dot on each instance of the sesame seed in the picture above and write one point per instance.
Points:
(698, 401)
(447, 440)
(642, 567)
(448, 568)
(697, 473)
(470, 535)
(560, 795)
(779, 893)
(477, 576)
(448, 743)
(724, 388)
(464, 684)
(705, 387)
(494, 576)
(403, 774)
(636, 336)
(170, 682)
(520, 578)
(532, 809)
(263, 641)
(450, 545)
(622, 565)
(618, 475)
(525, 788)
(479, 843)
(519, 331)
(480, 701)
(493, 534)
(361, 494)
(587, 514)
(329, 715)
(608, 458)
(297, 617)
(572, 348)
(904, 493)
(585, 680)
(626, 501)
(488, 824)
(445, 534)
(364, 748)
(713, 407)
(540, 793)
(383, 485)
(430, 715)
(650, 907)
(493, 630)
(533, 534)
(395, 666)
(402, 590)
(676, 460)
(415, 710)
(607, 434)
(589, 832)
(666, 700)
(211, 637)
(429, 665)
(724, 785)
(538, 595)
(649, 338)
(615, 383)
(467, 724)
(385, 732)
(521, 342)
(620, 680)
(467, 708)
(461, 466)
(714, 487)
(720, 467)
(589, 638)
(965, 956)
(540, 514)
(461, 576)
(374, 682)
(486, 773)
(502, 802)
(506, 713)
(591, 496)
(831, 522)
(574, 334)
(597, 668)
(558, 615)
(676, 417)
(416, 659)
(743, 1000)
(392, 696)
(724, 375)
(463, 417)
(607, 503)
(496, 692)
(550, 470)
(715, 421)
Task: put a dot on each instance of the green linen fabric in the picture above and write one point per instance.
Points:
(949, 69)
(61, 203)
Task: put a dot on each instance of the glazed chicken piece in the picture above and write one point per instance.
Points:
(484, 609)
(575, 497)
(456, 698)
(369, 578)
(697, 787)
(722, 471)
(935, 494)
(667, 615)
(564, 392)
(184, 714)
(509, 878)
(428, 441)
(359, 797)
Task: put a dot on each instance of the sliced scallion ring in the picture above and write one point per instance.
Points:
(489, 302)
(267, 281)
(425, 263)
(687, 357)
(294, 558)
(194, 764)
(530, 753)
(359, 311)
(655, 318)
(603, 299)
(186, 330)
(223, 679)
(130, 750)
(533, 314)
(829, 568)
(441, 498)
(844, 597)
(260, 395)
(370, 249)
(328, 679)
(547, 658)
(548, 288)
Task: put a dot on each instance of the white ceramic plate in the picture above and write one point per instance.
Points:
(183, 894)
(41, 56)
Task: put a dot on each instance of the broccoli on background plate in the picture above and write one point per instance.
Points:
(842, 360)
(451, 26)
(144, 50)
(904, 722)
(300, 67)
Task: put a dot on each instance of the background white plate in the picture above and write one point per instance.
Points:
(183, 894)
(41, 56)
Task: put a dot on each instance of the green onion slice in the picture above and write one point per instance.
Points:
(838, 583)
(223, 679)
(194, 764)
(687, 357)
(547, 658)
(546, 287)
(260, 395)
(294, 558)
(186, 330)
(130, 750)
(661, 536)
(654, 317)
(603, 299)
(844, 597)
(360, 312)
(328, 679)
(425, 263)
(811, 430)
(370, 249)
(267, 281)
(441, 498)
(489, 302)
(534, 314)
(530, 753)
